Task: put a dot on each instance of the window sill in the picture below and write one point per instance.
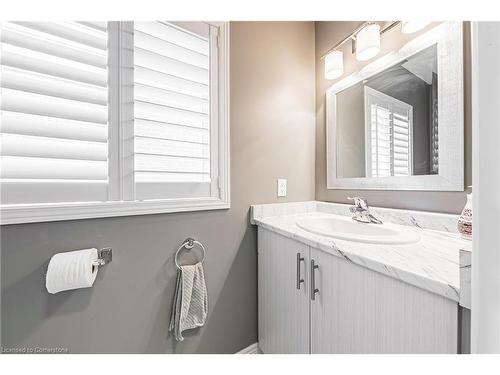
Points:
(34, 213)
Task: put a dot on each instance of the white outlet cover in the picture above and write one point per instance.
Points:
(281, 187)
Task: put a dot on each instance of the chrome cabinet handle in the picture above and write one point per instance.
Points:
(300, 280)
(314, 290)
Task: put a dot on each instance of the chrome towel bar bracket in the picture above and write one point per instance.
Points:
(189, 244)
(104, 256)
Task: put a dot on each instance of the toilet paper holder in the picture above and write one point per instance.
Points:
(104, 256)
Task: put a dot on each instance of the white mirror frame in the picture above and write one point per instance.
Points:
(448, 37)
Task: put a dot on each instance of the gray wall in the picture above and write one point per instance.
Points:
(351, 130)
(326, 35)
(127, 310)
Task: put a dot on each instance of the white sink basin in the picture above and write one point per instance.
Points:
(345, 228)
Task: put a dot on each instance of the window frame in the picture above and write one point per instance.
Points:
(120, 190)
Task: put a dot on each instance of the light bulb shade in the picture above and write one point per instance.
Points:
(368, 42)
(409, 27)
(334, 65)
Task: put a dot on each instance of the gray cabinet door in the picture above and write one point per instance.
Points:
(361, 311)
(283, 309)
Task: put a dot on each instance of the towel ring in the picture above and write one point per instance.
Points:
(189, 244)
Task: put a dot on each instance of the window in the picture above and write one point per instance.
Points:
(109, 119)
(388, 123)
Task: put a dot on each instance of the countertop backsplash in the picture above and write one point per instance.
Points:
(420, 219)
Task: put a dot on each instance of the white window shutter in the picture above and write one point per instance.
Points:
(172, 110)
(54, 112)
(112, 118)
(389, 125)
(380, 141)
(401, 141)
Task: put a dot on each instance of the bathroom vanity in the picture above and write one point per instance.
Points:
(324, 294)
(328, 284)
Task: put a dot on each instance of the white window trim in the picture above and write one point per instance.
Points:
(30, 213)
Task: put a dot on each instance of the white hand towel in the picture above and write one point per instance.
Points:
(71, 270)
(190, 306)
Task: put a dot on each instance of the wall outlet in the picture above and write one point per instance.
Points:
(281, 187)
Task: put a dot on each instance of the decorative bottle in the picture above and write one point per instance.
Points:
(465, 220)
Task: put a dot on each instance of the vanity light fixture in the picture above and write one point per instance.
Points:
(368, 42)
(365, 44)
(408, 27)
(334, 65)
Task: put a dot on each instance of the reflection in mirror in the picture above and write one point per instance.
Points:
(387, 124)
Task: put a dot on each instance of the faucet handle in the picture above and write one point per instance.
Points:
(359, 202)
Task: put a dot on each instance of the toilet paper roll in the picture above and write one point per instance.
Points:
(71, 270)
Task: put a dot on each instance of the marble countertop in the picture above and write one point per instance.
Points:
(465, 275)
(431, 264)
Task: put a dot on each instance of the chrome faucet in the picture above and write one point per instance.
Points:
(361, 212)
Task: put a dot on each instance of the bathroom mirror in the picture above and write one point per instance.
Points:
(398, 123)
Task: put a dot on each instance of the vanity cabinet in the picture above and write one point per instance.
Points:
(354, 310)
(283, 305)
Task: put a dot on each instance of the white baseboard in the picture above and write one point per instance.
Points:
(251, 349)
